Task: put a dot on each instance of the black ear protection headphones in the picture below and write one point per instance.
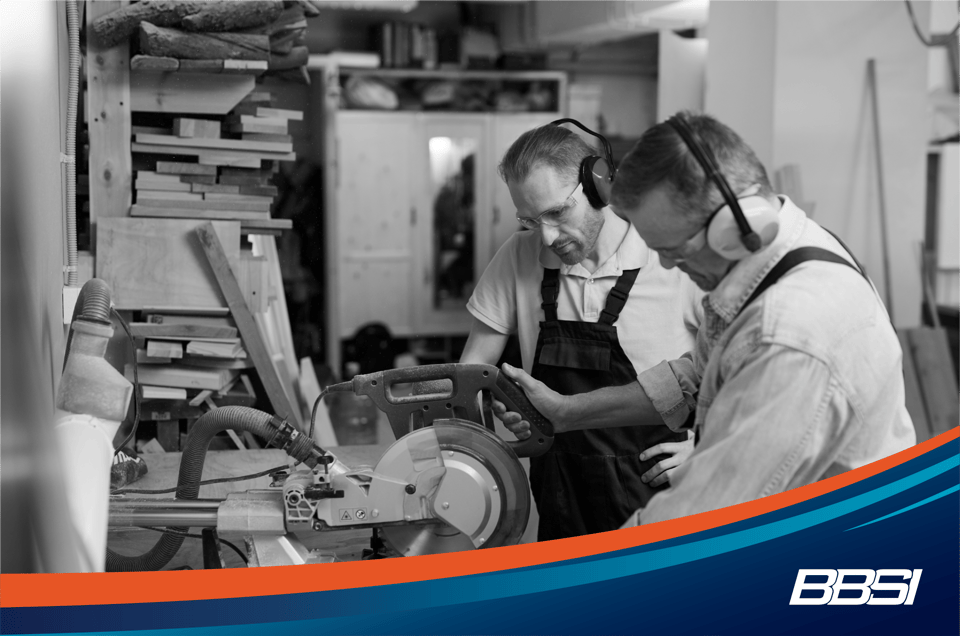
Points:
(596, 173)
(742, 226)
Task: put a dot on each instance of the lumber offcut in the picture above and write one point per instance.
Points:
(163, 42)
(228, 16)
(117, 26)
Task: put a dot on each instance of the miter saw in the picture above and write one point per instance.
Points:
(449, 482)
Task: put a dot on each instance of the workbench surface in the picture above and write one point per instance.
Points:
(163, 469)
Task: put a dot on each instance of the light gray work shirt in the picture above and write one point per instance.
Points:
(805, 383)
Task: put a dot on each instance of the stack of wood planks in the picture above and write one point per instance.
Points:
(212, 168)
(186, 366)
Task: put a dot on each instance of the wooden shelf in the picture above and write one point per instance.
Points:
(458, 74)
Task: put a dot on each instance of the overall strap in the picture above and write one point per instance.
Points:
(549, 291)
(618, 296)
(791, 260)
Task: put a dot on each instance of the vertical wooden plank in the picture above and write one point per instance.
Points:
(914, 397)
(248, 327)
(108, 88)
(931, 354)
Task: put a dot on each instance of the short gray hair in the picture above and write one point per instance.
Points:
(550, 145)
(662, 158)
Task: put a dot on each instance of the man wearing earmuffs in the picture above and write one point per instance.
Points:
(591, 306)
(797, 362)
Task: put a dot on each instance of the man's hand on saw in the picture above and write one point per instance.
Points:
(547, 401)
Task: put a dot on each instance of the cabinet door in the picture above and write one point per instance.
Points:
(452, 214)
(506, 129)
(374, 207)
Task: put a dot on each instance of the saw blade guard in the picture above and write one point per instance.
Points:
(468, 491)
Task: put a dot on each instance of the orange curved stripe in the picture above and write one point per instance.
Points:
(44, 590)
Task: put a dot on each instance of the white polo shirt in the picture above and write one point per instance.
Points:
(659, 321)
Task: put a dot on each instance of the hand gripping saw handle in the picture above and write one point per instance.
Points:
(410, 412)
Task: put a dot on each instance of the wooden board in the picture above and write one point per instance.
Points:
(153, 63)
(220, 215)
(266, 137)
(911, 385)
(158, 262)
(201, 66)
(216, 349)
(200, 178)
(257, 128)
(247, 67)
(215, 187)
(223, 196)
(179, 186)
(150, 175)
(224, 158)
(179, 168)
(145, 195)
(264, 111)
(108, 119)
(162, 349)
(252, 119)
(218, 144)
(189, 127)
(931, 357)
(201, 93)
(249, 330)
(178, 375)
(204, 204)
(174, 319)
(265, 224)
(185, 330)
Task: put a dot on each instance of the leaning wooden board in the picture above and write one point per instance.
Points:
(158, 262)
(249, 331)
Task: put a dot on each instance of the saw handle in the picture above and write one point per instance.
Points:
(408, 412)
(541, 430)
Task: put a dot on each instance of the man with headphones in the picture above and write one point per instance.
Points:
(797, 368)
(591, 307)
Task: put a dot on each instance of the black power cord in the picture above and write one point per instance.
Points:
(198, 536)
(136, 383)
(220, 480)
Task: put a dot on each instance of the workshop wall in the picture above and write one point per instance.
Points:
(792, 78)
(34, 88)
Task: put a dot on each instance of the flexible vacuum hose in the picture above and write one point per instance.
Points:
(73, 34)
(206, 427)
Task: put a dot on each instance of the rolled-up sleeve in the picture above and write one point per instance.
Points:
(672, 389)
(763, 434)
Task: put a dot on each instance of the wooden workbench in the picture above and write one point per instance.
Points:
(163, 469)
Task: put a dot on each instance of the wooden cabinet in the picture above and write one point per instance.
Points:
(415, 211)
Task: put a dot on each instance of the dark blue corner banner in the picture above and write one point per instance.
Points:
(878, 556)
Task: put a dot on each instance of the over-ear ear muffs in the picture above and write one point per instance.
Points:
(742, 226)
(596, 176)
(596, 173)
(723, 232)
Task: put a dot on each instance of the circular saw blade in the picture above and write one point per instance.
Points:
(505, 486)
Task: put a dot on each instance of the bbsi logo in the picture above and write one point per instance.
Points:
(859, 592)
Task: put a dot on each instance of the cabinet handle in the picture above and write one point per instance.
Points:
(496, 214)
(413, 215)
